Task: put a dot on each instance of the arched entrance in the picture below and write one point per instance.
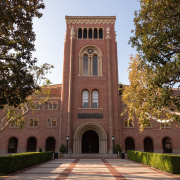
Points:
(82, 129)
(90, 142)
(148, 145)
(129, 144)
(31, 144)
(12, 145)
(167, 145)
(50, 144)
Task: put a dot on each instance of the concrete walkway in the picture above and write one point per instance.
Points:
(90, 169)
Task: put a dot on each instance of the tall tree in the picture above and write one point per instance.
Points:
(10, 114)
(157, 39)
(16, 46)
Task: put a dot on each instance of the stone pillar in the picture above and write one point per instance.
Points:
(109, 90)
(72, 37)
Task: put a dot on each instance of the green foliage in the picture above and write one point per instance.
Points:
(16, 162)
(17, 44)
(164, 162)
(118, 148)
(62, 148)
(157, 40)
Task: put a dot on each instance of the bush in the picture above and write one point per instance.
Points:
(62, 148)
(164, 162)
(118, 148)
(16, 162)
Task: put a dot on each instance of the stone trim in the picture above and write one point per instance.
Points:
(77, 139)
(90, 19)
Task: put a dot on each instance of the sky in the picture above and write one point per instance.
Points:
(50, 31)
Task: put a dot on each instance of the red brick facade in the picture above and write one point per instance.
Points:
(71, 118)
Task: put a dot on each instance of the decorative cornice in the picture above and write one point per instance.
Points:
(90, 19)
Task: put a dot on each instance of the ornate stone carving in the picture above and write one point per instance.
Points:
(90, 20)
(108, 32)
(72, 34)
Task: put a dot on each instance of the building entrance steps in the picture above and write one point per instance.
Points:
(91, 155)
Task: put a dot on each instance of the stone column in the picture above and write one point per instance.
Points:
(109, 90)
(72, 37)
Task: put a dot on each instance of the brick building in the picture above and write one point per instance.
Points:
(87, 105)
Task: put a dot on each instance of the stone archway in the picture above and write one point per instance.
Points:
(77, 140)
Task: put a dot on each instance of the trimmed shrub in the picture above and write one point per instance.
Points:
(62, 148)
(118, 148)
(16, 162)
(164, 162)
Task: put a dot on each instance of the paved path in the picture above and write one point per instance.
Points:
(90, 169)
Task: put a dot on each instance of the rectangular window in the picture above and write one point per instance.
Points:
(85, 65)
(95, 66)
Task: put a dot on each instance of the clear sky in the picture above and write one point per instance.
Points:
(50, 30)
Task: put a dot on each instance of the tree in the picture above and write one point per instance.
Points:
(157, 41)
(146, 101)
(16, 115)
(16, 46)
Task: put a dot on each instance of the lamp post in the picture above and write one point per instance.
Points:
(67, 138)
(113, 144)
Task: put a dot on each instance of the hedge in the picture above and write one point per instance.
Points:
(16, 162)
(164, 162)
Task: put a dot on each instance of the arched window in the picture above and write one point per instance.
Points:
(100, 33)
(85, 33)
(55, 105)
(95, 99)
(31, 123)
(95, 33)
(167, 145)
(129, 144)
(54, 122)
(49, 123)
(31, 144)
(50, 106)
(90, 61)
(79, 33)
(95, 65)
(12, 145)
(85, 65)
(148, 145)
(85, 99)
(36, 122)
(90, 34)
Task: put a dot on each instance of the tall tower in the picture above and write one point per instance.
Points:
(89, 113)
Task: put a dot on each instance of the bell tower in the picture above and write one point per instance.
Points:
(89, 111)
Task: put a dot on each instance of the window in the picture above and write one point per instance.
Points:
(90, 61)
(100, 33)
(149, 124)
(165, 125)
(15, 123)
(55, 105)
(95, 33)
(95, 65)
(90, 34)
(50, 106)
(85, 99)
(85, 65)
(33, 122)
(85, 34)
(37, 106)
(51, 122)
(95, 99)
(79, 33)
(124, 106)
(128, 123)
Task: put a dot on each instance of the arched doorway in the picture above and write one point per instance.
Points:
(129, 144)
(148, 145)
(12, 145)
(31, 144)
(90, 142)
(50, 144)
(89, 126)
(167, 145)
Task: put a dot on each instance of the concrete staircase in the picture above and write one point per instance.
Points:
(91, 155)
